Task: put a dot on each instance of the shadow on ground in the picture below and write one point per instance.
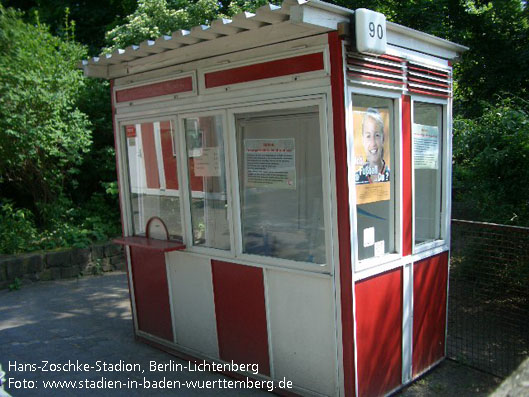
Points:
(452, 379)
(88, 320)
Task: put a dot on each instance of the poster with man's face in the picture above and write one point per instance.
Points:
(372, 154)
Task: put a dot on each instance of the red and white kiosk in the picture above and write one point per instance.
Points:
(285, 182)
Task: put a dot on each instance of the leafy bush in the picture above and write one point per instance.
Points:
(154, 18)
(43, 135)
(17, 229)
(72, 226)
(49, 165)
(491, 163)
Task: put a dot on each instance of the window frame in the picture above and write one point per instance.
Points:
(124, 173)
(390, 260)
(444, 178)
(289, 103)
(211, 251)
(229, 109)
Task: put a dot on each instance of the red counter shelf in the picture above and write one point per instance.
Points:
(150, 244)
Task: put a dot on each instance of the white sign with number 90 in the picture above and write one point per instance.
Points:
(370, 30)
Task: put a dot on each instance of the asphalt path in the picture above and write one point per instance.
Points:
(79, 333)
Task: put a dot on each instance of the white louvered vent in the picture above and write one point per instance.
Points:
(429, 80)
(382, 71)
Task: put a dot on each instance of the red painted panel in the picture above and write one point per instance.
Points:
(196, 182)
(407, 221)
(429, 311)
(149, 156)
(169, 160)
(265, 70)
(342, 193)
(241, 314)
(379, 333)
(130, 131)
(151, 292)
(184, 84)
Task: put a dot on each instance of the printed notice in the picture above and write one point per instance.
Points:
(270, 163)
(369, 236)
(208, 163)
(379, 248)
(425, 146)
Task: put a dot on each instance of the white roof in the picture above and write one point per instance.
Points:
(270, 24)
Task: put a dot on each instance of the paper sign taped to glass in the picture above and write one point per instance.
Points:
(372, 154)
(425, 146)
(270, 163)
(208, 163)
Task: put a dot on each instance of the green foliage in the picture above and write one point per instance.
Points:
(17, 229)
(238, 6)
(42, 132)
(93, 18)
(496, 33)
(73, 226)
(154, 18)
(97, 268)
(69, 226)
(48, 160)
(99, 167)
(15, 285)
(491, 163)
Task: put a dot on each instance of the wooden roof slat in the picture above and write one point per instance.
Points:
(204, 32)
(149, 46)
(168, 43)
(122, 55)
(285, 6)
(224, 26)
(136, 51)
(184, 37)
(246, 20)
(269, 14)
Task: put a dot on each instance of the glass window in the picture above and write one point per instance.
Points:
(207, 181)
(374, 182)
(427, 150)
(153, 180)
(280, 181)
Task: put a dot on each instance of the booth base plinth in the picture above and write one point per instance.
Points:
(187, 357)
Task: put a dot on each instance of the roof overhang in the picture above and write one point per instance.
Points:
(270, 24)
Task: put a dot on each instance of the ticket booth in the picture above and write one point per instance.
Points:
(285, 181)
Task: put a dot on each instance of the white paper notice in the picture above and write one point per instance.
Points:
(379, 248)
(425, 146)
(369, 236)
(208, 164)
(270, 163)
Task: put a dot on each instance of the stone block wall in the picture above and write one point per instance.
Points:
(55, 265)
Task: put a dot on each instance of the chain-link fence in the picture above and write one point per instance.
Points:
(488, 320)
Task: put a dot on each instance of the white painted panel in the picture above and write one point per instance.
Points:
(302, 330)
(192, 303)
